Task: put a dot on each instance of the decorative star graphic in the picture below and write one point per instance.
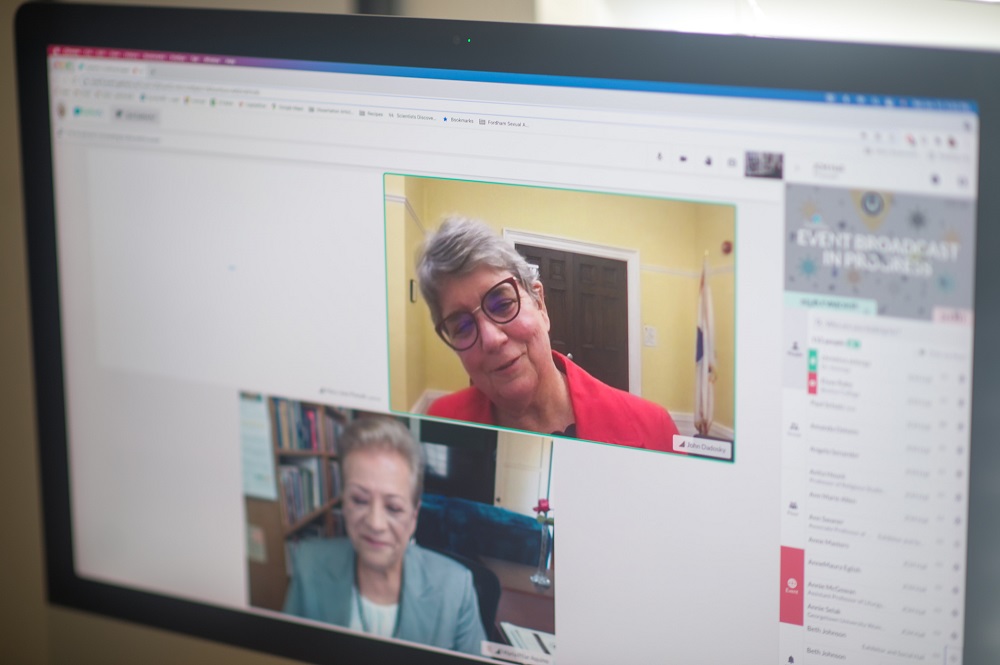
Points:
(946, 283)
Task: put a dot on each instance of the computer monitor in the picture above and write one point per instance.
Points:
(351, 333)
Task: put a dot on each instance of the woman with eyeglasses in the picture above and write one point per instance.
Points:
(488, 305)
(377, 580)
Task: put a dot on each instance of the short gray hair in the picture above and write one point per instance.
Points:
(385, 434)
(460, 247)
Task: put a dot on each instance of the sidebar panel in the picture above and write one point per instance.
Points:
(876, 411)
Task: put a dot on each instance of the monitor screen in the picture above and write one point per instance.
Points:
(498, 343)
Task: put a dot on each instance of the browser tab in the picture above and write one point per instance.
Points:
(136, 115)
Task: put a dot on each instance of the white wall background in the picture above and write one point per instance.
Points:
(952, 23)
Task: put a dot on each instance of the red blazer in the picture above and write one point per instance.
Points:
(602, 413)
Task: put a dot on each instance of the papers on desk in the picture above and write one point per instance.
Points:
(529, 639)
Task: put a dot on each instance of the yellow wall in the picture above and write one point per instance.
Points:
(716, 225)
(396, 281)
(416, 327)
(671, 237)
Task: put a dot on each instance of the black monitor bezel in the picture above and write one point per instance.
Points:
(514, 48)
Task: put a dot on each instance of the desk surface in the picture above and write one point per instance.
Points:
(520, 602)
(517, 576)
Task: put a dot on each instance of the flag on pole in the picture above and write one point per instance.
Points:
(704, 399)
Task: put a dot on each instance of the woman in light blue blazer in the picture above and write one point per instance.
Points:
(376, 580)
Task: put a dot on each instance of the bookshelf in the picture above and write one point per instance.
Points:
(307, 486)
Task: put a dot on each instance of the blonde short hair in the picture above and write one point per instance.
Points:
(384, 433)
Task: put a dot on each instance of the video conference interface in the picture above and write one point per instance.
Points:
(397, 354)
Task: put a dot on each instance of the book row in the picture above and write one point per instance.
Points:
(300, 426)
(307, 484)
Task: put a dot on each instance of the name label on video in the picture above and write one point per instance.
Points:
(507, 652)
(690, 445)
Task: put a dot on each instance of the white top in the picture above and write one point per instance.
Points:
(372, 618)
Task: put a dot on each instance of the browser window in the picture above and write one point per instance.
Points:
(239, 269)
